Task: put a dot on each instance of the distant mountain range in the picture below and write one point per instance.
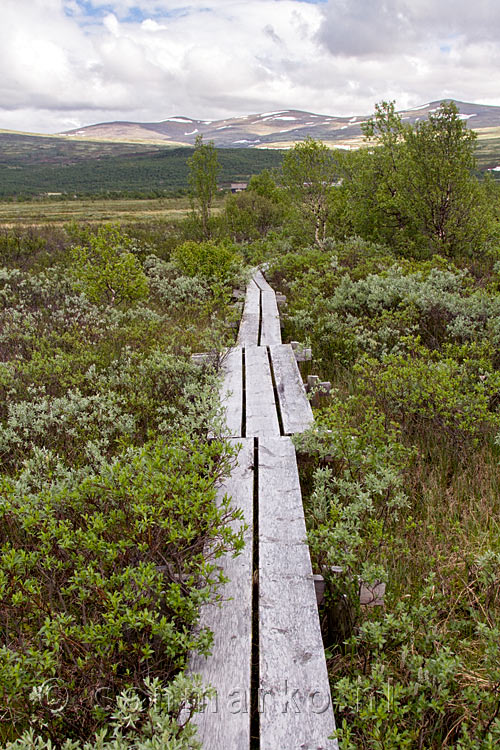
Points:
(141, 158)
(279, 129)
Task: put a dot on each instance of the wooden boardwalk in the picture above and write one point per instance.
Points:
(267, 664)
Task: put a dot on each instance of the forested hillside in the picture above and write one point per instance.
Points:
(31, 165)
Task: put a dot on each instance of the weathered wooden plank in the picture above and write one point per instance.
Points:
(231, 392)
(296, 412)
(250, 320)
(225, 722)
(261, 282)
(295, 703)
(261, 414)
(270, 328)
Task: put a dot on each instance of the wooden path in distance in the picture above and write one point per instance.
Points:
(267, 664)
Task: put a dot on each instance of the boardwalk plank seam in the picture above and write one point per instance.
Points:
(289, 690)
(297, 711)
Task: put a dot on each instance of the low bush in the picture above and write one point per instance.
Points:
(208, 260)
(156, 717)
(107, 269)
(401, 487)
(436, 394)
(109, 529)
(102, 579)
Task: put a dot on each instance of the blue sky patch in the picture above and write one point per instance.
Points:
(135, 14)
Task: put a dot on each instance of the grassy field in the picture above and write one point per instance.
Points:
(488, 149)
(96, 211)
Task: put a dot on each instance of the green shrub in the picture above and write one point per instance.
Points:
(158, 717)
(107, 270)
(401, 485)
(208, 260)
(250, 215)
(434, 393)
(101, 579)
(410, 681)
(109, 528)
(357, 494)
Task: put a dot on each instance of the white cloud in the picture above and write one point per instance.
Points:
(149, 59)
(387, 27)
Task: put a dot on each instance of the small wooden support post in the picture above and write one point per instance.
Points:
(302, 353)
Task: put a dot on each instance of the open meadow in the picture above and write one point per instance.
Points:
(36, 212)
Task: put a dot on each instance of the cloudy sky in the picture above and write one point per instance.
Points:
(67, 63)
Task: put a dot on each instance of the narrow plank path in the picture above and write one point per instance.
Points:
(225, 723)
(267, 663)
(296, 709)
(232, 391)
(271, 326)
(296, 412)
(250, 322)
(261, 412)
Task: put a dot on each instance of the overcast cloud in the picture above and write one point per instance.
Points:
(67, 63)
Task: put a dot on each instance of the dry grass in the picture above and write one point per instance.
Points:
(36, 213)
(454, 516)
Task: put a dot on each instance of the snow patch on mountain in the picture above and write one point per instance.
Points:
(271, 114)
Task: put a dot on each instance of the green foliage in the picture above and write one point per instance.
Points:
(428, 392)
(250, 214)
(109, 530)
(358, 491)
(417, 686)
(204, 168)
(264, 184)
(309, 172)
(416, 188)
(207, 260)
(31, 247)
(108, 270)
(101, 580)
(402, 487)
(157, 717)
(447, 206)
(355, 298)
